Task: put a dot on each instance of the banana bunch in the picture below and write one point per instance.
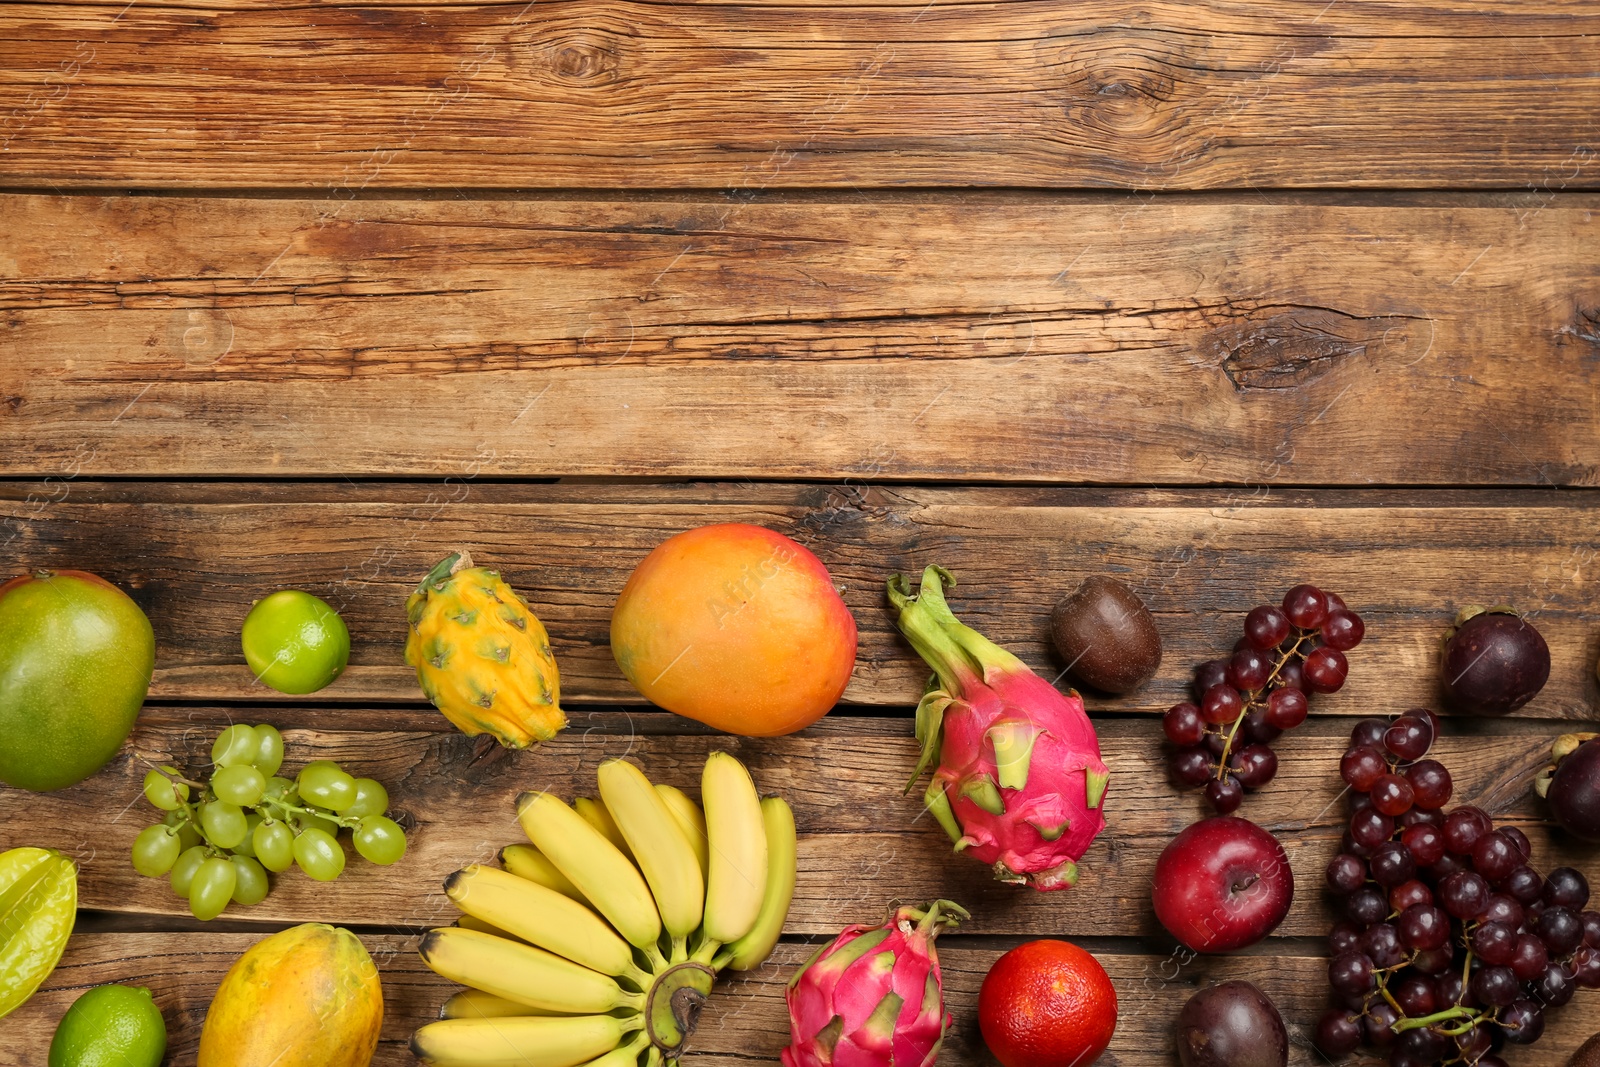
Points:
(598, 943)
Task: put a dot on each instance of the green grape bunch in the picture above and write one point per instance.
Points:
(221, 838)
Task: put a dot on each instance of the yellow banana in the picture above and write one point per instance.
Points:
(754, 947)
(596, 814)
(659, 846)
(539, 916)
(623, 1055)
(530, 1041)
(737, 880)
(476, 1004)
(525, 861)
(521, 972)
(691, 818)
(472, 922)
(601, 873)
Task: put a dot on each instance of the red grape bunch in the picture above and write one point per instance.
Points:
(1245, 702)
(1451, 945)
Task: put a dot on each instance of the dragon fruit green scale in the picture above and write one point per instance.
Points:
(873, 997)
(1019, 782)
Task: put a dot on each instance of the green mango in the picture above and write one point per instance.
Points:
(76, 656)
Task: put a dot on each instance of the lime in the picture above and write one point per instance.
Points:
(295, 642)
(110, 1026)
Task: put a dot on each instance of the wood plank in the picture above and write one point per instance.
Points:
(752, 96)
(862, 840)
(745, 1019)
(1142, 341)
(1199, 561)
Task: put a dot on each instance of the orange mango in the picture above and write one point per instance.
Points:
(736, 626)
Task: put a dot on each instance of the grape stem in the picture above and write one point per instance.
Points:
(192, 818)
(1457, 1012)
(348, 822)
(1252, 700)
(1383, 987)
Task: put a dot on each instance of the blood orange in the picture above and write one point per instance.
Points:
(1047, 1004)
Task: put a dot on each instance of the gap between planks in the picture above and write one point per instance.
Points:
(1512, 195)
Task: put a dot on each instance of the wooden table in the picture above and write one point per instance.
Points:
(1214, 297)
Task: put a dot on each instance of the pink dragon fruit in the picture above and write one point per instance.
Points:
(1020, 781)
(873, 997)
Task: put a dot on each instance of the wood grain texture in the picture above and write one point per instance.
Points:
(745, 1020)
(589, 93)
(1142, 341)
(196, 557)
(863, 841)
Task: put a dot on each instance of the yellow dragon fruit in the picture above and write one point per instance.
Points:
(481, 656)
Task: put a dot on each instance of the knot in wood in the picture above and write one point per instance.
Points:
(1123, 83)
(583, 58)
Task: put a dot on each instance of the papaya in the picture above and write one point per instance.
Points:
(305, 997)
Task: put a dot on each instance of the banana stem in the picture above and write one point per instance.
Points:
(658, 962)
(637, 1043)
(707, 952)
(680, 950)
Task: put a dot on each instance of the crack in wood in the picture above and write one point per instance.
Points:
(1286, 346)
(1586, 325)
